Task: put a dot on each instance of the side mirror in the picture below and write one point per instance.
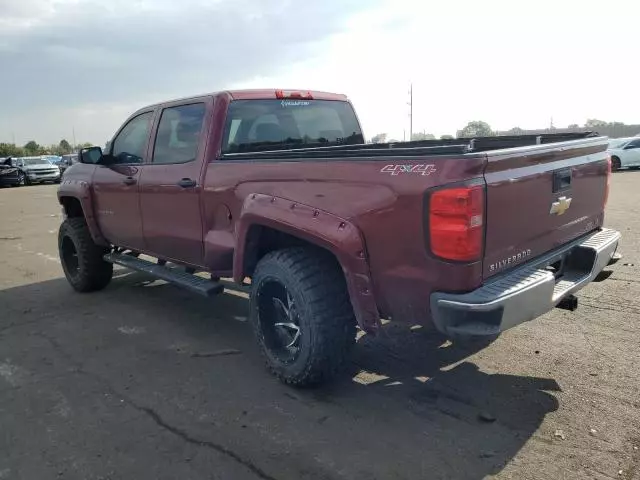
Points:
(90, 155)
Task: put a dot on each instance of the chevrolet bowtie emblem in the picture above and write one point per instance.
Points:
(561, 206)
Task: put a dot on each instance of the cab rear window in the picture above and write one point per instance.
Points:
(263, 125)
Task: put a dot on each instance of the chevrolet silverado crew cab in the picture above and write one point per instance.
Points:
(278, 191)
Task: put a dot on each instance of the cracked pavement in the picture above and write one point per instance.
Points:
(144, 381)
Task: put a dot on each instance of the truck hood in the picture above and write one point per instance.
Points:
(35, 168)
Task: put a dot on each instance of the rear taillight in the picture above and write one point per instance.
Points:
(456, 223)
(281, 94)
(606, 192)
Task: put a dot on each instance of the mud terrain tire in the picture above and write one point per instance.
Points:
(302, 315)
(81, 258)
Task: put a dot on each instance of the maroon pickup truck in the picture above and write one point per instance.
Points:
(279, 191)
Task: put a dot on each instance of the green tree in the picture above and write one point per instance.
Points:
(475, 128)
(446, 137)
(515, 131)
(31, 148)
(379, 138)
(85, 145)
(422, 136)
(54, 149)
(64, 147)
(574, 125)
(10, 150)
(594, 122)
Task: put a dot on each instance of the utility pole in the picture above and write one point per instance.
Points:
(410, 111)
(73, 129)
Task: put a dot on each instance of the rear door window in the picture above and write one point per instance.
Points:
(178, 134)
(261, 125)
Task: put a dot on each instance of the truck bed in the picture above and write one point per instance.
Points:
(454, 146)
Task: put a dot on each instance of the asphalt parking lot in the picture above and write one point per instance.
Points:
(144, 381)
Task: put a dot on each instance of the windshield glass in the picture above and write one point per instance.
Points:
(617, 143)
(35, 161)
(259, 125)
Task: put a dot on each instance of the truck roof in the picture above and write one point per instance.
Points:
(266, 94)
(256, 94)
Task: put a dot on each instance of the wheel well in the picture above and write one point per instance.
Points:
(261, 240)
(72, 207)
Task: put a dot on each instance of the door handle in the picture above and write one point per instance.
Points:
(561, 180)
(129, 181)
(187, 183)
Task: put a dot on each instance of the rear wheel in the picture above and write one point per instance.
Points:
(81, 258)
(615, 164)
(301, 315)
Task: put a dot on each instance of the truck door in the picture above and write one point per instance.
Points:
(115, 186)
(170, 186)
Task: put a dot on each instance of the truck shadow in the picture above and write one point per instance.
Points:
(411, 405)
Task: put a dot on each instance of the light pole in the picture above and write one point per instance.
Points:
(410, 111)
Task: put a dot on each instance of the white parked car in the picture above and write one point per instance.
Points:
(625, 152)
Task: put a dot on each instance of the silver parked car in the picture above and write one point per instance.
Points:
(67, 161)
(36, 170)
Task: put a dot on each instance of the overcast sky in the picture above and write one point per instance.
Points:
(85, 65)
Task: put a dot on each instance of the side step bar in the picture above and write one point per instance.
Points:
(201, 286)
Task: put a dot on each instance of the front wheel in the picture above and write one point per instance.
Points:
(615, 164)
(81, 257)
(302, 315)
(22, 179)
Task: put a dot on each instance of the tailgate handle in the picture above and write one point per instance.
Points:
(561, 180)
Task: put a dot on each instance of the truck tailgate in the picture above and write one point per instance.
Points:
(541, 197)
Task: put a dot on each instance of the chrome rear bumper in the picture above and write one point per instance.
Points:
(526, 292)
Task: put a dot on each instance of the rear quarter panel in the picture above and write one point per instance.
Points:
(387, 209)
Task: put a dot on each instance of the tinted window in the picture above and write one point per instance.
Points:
(257, 125)
(179, 134)
(634, 144)
(129, 145)
(69, 159)
(617, 143)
